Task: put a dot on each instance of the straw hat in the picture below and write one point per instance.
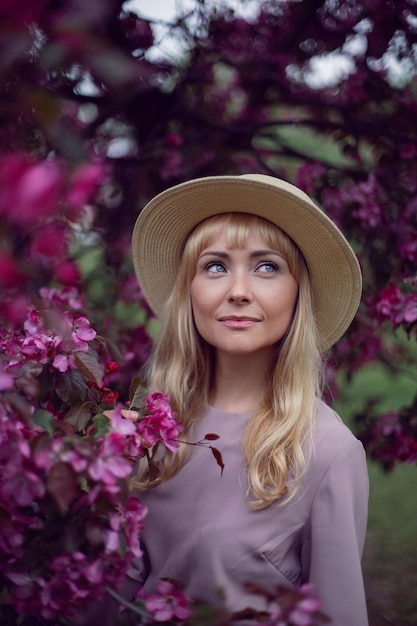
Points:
(165, 223)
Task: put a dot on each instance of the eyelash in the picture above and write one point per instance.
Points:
(270, 264)
(213, 264)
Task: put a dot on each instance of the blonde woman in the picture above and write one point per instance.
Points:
(253, 284)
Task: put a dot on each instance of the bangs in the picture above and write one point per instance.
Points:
(238, 228)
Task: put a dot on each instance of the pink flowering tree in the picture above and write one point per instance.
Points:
(94, 122)
(69, 525)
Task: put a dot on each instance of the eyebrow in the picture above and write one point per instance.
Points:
(255, 254)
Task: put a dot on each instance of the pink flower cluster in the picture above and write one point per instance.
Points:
(156, 424)
(68, 526)
(396, 306)
(40, 201)
(49, 338)
(367, 201)
(168, 604)
(33, 191)
(73, 485)
(159, 423)
(296, 607)
(393, 438)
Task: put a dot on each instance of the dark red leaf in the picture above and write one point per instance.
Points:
(89, 367)
(71, 387)
(217, 455)
(78, 416)
(211, 437)
(137, 392)
(62, 484)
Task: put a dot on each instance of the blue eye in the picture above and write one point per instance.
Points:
(215, 268)
(268, 267)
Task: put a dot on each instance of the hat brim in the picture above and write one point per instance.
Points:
(165, 223)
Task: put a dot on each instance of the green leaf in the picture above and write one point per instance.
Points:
(102, 425)
(45, 420)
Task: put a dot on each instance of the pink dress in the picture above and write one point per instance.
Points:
(200, 530)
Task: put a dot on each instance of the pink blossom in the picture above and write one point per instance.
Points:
(56, 343)
(84, 183)
(367, 199)
(66, 297)
(6, 381)
(46, 452)
(158, 404)
(173, 140)
(14, 308)
(396, 306)
(134, 513)
(109, 465)
(120, 424)
(408, 248)
(309, 175)
(368, 214)
(171, 166)
(298, 617)
(60, 362)
(10, 274)
(94, 572)
(389, 424)
(23, 487)
(112, 540)
(160, 427)
(393, 438)
(67, 272)
(408, 151)
(168, 603)
(11, 536)
(30, 190)
(76, 459)
(82, 332)
(50, 243)
(161, 424)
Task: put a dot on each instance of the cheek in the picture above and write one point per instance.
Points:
(200, 311)
(201, 298)
(198, 305)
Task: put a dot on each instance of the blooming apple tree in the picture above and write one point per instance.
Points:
(94, 122)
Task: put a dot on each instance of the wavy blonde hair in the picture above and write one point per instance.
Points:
(182, 363)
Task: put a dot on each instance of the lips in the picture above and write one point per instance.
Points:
(238, 318)
(237, 321)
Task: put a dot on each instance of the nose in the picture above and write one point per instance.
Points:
(240, 290)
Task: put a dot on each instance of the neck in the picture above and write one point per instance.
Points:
(239, 382)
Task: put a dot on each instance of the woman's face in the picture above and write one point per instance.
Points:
(242, 298)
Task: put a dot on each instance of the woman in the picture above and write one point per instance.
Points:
(253, 283)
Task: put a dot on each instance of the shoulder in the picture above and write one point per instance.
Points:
(332, 439)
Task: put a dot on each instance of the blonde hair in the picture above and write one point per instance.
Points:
(182, 363)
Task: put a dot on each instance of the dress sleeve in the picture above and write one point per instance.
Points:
(333, 545)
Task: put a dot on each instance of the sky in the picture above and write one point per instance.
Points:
(323, 71)
(166, 10)
(326, 70)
